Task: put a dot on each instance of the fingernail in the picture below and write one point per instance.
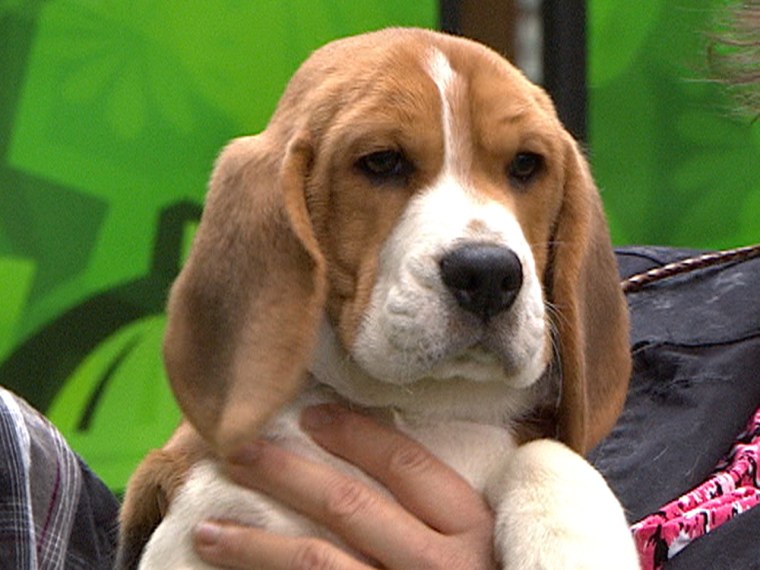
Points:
(247, 454)
(316, 417)
(207, 533)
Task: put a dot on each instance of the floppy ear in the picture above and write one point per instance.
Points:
(592, 325)
(244, 311)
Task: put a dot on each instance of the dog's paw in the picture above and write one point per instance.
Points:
(555, 511)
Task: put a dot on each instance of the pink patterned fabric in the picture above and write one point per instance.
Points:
(732, 489)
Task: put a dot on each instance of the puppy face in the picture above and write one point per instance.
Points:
(433, 198)
(419, 198)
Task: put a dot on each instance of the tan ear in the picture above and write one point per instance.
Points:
(592, 323)
(244, 311)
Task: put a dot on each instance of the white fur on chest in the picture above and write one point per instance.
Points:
(475, 451)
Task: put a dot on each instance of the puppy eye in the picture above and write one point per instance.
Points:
(525, 166)
(384, 165)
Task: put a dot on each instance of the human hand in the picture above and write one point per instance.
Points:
(436, 521)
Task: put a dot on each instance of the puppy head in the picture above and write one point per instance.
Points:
(416, 201)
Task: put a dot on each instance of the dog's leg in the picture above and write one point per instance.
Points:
(151, 489)
(555, 511)
(148, 494)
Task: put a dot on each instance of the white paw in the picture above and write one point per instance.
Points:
(555, 511)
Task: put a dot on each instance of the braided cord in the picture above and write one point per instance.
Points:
(637, 282)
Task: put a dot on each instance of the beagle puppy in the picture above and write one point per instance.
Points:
(415, 234)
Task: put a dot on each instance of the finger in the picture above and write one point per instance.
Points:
(422, 483)
(369, 520)
(234, 546)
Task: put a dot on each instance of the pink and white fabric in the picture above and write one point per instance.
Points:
(732, 489)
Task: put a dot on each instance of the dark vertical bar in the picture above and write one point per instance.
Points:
(491, 22)
(450, 19)
(565, 61)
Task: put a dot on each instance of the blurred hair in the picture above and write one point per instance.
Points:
(735, 54)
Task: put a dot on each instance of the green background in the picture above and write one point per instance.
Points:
(111, 114)
(675, 163)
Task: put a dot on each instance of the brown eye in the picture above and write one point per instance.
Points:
(525, 166)
(384, 166)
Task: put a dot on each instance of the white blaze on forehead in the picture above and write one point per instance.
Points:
(447, 81)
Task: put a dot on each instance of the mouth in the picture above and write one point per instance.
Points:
(476, 364)
(478, 354)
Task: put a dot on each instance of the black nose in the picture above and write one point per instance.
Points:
(484, 278)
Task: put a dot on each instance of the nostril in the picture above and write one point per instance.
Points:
(483, 278)
(460, 276)
(512, 280)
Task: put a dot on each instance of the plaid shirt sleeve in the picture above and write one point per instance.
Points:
(54, 512)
